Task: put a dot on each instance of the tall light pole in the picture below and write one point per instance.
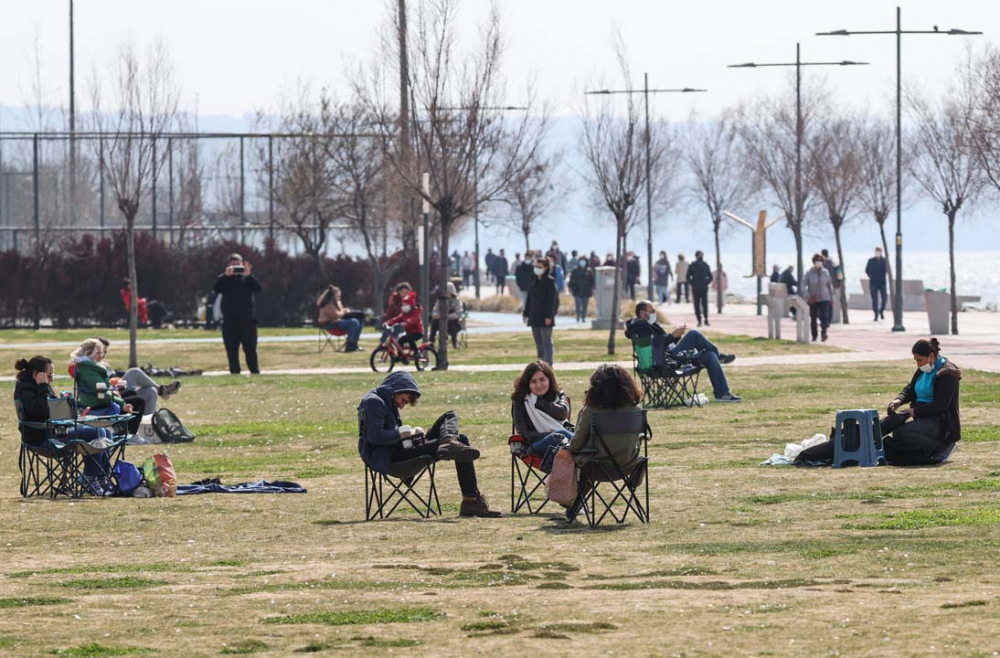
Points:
(897, 306)
(646, 91)
(72, 120)
(798, 64)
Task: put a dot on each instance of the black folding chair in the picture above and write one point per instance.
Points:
(385, 492)
(526, 477)
(674, 384)
(629, 485)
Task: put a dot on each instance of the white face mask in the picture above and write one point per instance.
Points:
(583, 263)
(817, 266)
(652, 317)
(407, 308)
(927, 367)
(539, 271)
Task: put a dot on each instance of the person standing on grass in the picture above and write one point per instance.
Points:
(540, 309)
(380, 442)
(819, 296)
(237, 285)
(581, 284)
(681, 277)
(877, 271)
(699, 277)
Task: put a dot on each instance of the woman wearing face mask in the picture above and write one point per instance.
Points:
(539, 409)
(540, 309)
(925, 433)
(819, 295)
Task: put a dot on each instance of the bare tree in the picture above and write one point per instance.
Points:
(613, 145)
(837, 174)
(532, 195)
(776, 140)
(983, 75)
(144, 102)
(469, 151)
(877, 150)
(946, 164)
(721, 176)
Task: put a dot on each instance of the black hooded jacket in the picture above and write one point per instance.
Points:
(379, 421)
(945, 404)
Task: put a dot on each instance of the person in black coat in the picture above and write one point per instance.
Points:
(877, 271)
(699, 278)
(237, 286)
(927, 432)
(524, 276)
(540, 309)
(500, 271)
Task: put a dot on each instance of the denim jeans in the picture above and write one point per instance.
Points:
(663, 292)
(708, 355)
(351, 325)
(582, 305)
(98, 465)
(878, 291)
(542, 445)
(544, 348)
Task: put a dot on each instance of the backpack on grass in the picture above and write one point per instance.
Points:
(169, 427)
(158, 472)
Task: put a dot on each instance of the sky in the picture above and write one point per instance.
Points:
(233, 57)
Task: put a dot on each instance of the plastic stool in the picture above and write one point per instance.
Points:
(857, 439)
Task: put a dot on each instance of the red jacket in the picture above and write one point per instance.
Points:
(394, 307)
(143, 311)
(413, 321)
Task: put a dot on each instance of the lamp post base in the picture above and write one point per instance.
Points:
(898, 327)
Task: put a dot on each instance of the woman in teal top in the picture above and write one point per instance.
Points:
(927, 432)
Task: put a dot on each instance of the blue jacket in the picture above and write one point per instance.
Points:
(378, 420)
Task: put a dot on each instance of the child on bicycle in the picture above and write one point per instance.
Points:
(412, 319)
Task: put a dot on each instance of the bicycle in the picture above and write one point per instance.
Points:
(390, 351)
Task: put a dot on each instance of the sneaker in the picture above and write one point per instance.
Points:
(166, 390)
(726, 358)
(729, 397)
(707, 323)
(452, 449)
(478, 507)
(699, 323)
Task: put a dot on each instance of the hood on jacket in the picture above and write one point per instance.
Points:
(397, 382)
(411, 299)
(450, 289)
(949, 369)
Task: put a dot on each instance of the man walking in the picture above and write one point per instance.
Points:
(581, 284)
(523, 276)
(681, 276)
(877, 271)
(500, 271)
(237, 285)
(699, 277)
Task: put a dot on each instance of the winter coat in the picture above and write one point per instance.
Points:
(454, 306)
(542, 302)
(237, 293)
(393, 307)
(945, 404)
(500, 267)
(581, 282)
(637, 328)
(413, 322)
(663, 272)
(877, 271)
(633, 270)
(818, 285)
(378, 420)
(681, 271)
(524, 275)
(699, 275)
(88, 375)
(625, 448)
(34, 399)
(557, 408)
(791, 284)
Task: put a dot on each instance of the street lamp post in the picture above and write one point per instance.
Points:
(897, 306)
(646, 91)
(798, 64)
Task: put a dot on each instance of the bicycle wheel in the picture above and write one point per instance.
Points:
(426, 359)
(381, 360)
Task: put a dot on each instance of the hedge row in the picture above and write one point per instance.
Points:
(78, 283)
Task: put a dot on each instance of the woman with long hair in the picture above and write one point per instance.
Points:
(612, 390)
(540, 409)
(331, 316)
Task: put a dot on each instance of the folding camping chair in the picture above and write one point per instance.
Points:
(332, 338)
(674, 384)
(526, 476)
(385, 492)
(55, 467)
(600, 468)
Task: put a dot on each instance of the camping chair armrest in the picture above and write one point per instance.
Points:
(517, 443)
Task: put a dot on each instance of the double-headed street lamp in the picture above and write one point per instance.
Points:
(897, 306)
(798, 64)
(646, 91)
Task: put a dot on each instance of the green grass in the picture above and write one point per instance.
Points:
(244, 647)
(125, 582)
(31, 601)
(932, 518)
(95, 650)
(360, 617)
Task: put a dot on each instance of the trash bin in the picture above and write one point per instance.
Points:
(938, 304)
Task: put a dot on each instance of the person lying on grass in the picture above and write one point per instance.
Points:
(380, 442)
(679, 341)
(540, 409)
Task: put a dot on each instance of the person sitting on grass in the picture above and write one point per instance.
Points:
(33, 390)
(411, 317)
(331, 316)
(540, 409)
(678, 342)
(612, 390)
(380, 443)
(927, 432)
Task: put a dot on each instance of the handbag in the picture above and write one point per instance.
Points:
(561, 484)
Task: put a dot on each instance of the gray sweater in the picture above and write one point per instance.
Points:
(819, 285)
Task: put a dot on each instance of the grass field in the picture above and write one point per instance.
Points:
(738, 559)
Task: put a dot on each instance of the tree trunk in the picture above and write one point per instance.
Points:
(888, 267)
(320, 265)
(133, 310)
(843, 271)
(720, 297)
(442, 298)
(797, 233)
(526, 242)
(951, 262)
(378, 285)
(615, 300)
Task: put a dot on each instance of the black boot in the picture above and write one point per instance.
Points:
(477, 506)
